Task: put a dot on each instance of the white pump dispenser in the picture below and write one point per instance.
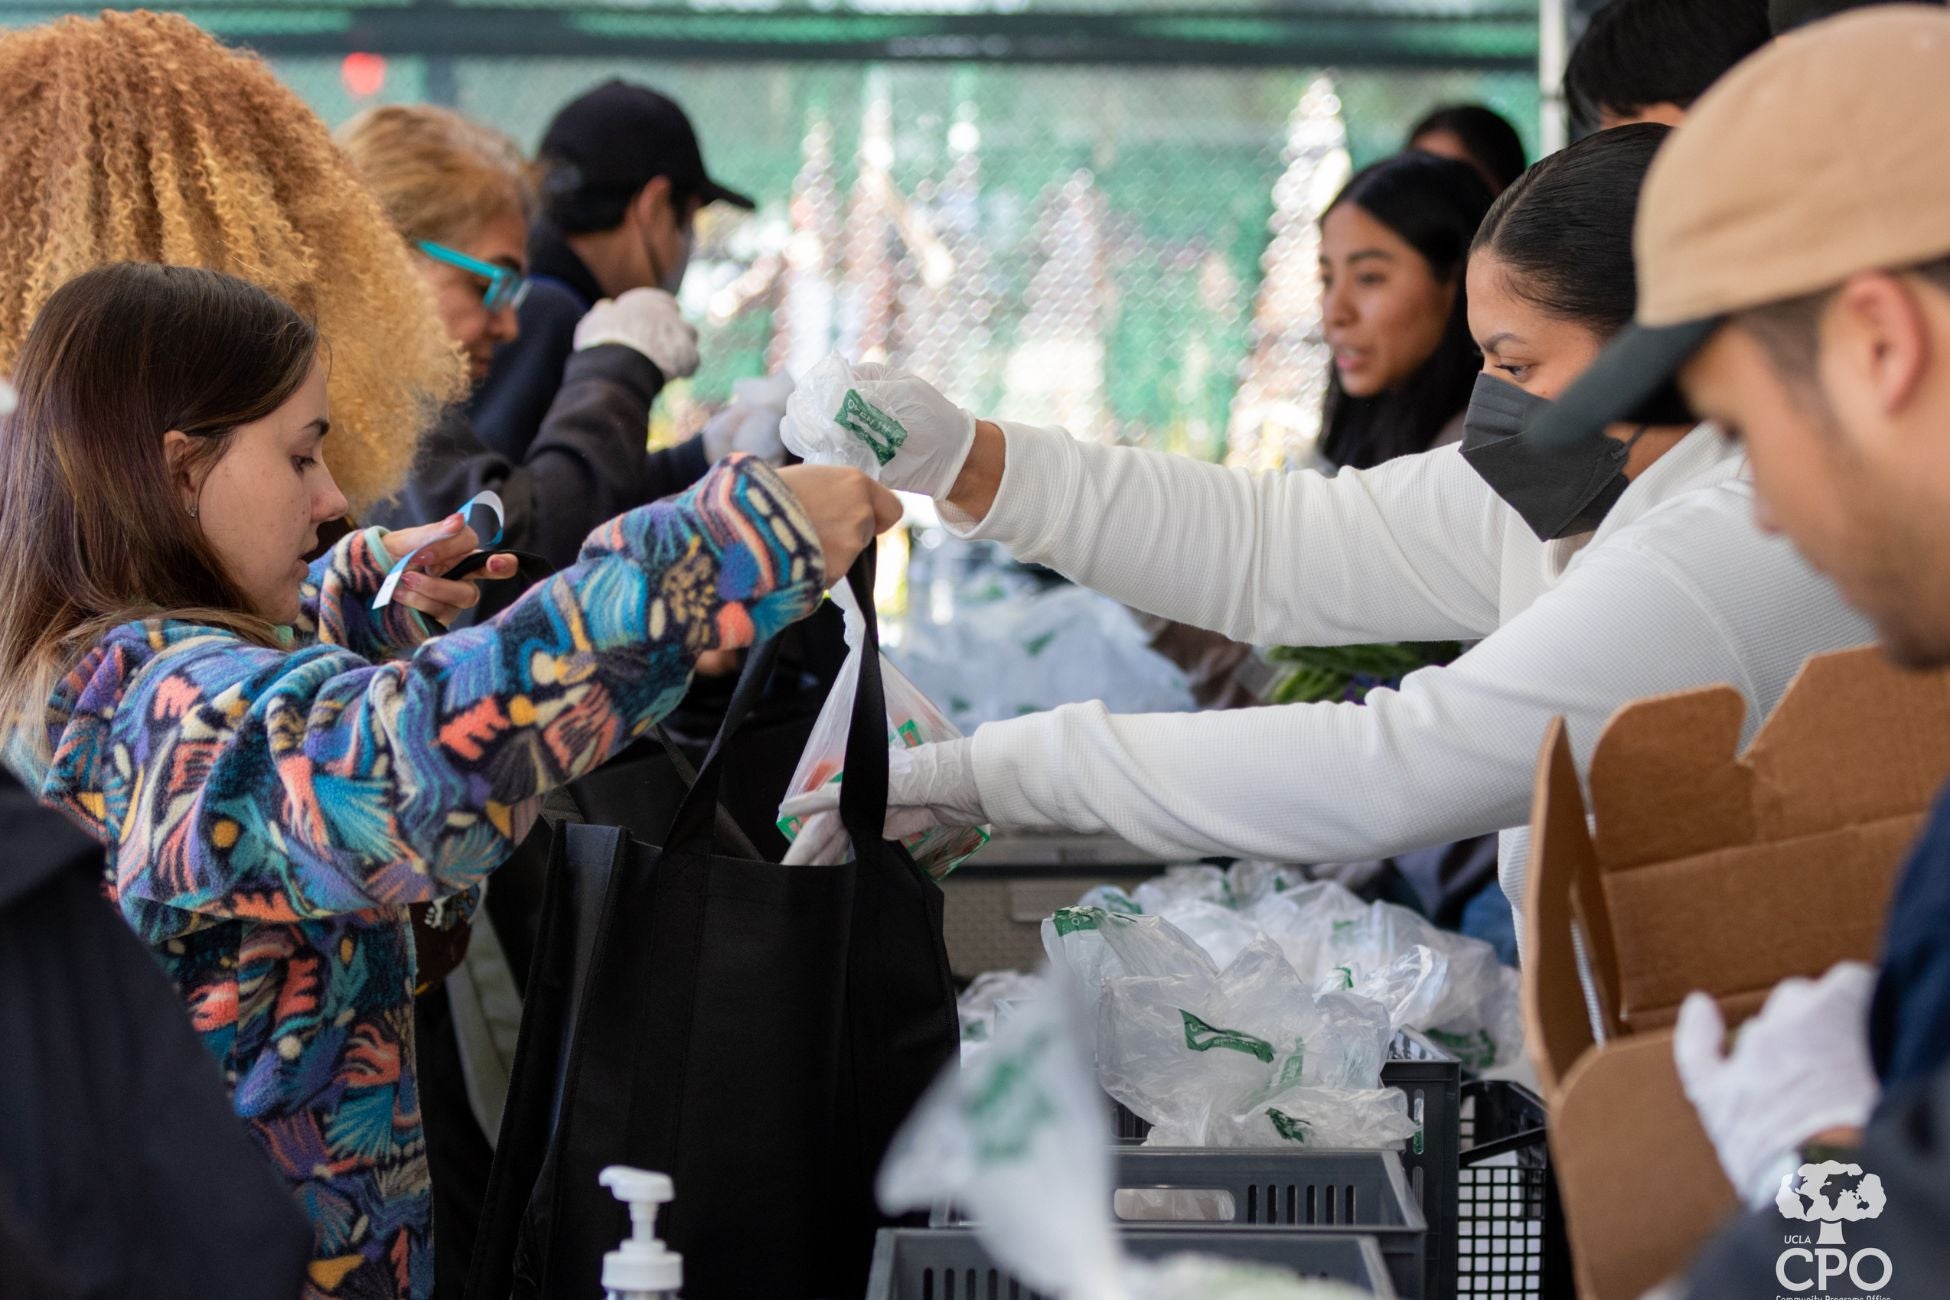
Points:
(643, 1268)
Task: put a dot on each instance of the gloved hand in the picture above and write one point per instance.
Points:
(920, 438)
(751, 422)
(647, 320)
(929, 785)
(1797, 1069)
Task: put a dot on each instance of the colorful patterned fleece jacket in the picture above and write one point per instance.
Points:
(269, 814)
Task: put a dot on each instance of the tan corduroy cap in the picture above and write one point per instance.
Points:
(1820, 156)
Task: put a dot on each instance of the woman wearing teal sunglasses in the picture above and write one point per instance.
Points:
(460, 195)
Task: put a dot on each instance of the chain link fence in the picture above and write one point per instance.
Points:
(1125, 248)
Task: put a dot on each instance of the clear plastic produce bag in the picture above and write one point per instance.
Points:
(912, 720)
(1459, 994)
(987, 999)
(1015, 1141)
(856, 434)
(1039, 651)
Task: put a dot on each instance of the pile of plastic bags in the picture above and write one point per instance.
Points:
(1240, 1055)
(1446, 985)
(1015, 1139)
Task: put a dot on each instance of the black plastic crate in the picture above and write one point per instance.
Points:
(1510, 1227)
(1432, 1081)
(950, 1264)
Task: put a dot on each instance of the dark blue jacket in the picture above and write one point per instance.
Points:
(508, 411)
(1909, 1021)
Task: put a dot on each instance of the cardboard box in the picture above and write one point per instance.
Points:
(1694, 867)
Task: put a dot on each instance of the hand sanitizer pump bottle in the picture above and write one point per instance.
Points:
(642, 1268)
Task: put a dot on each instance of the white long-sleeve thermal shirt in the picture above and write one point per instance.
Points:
(1677, 589)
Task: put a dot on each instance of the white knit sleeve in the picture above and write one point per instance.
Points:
(1405, 552)
(1451, 754)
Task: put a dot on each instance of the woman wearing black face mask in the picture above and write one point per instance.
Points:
(1547, 288)
(1627, 569)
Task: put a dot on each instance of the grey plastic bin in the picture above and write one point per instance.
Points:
(1306, 1191)
(950, 1264)
(1432, 1081)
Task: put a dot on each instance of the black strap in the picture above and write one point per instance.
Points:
(729, 833)
(694, 818)
(863, 794)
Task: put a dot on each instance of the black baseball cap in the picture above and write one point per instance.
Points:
(617, 138)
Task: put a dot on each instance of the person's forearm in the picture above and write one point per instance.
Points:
(398, 783)
(1297, 783)
(981, 474)
(1406, 553)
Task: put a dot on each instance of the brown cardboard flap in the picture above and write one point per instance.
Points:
(1665, 782)
(1855, 739)
(1649, 1189)
(1739, 920)
(1557, 1024)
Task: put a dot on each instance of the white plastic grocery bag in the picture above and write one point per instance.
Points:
(912, 720)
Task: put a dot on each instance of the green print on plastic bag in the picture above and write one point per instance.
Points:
(1069, 920)
(1201, 1037)
(881, 432)
(1011, 1105)
(1290, 1127)
(1296, 1065)
(1476, 1051)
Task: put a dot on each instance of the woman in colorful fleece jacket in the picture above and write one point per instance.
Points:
(278, 770)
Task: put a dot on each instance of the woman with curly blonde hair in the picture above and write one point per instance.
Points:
(137, 137)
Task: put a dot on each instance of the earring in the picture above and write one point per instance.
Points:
(192, 512)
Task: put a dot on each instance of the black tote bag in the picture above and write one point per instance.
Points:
(640, 788)
(754, 1030)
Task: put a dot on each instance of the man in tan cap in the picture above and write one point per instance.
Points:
(1793, 252)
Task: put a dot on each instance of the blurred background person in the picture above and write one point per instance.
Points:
(1394, 312)
(460, 195)
(1648, 60)
(622, 183)
(1479, 136)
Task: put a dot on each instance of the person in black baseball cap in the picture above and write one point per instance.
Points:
(623, 180)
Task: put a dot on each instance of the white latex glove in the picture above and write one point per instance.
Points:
(647, 320)
(751, 422)
(1797, 1069)
(927, 786)
(928, 436)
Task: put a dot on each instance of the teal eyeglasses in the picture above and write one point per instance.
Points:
(506, 287)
